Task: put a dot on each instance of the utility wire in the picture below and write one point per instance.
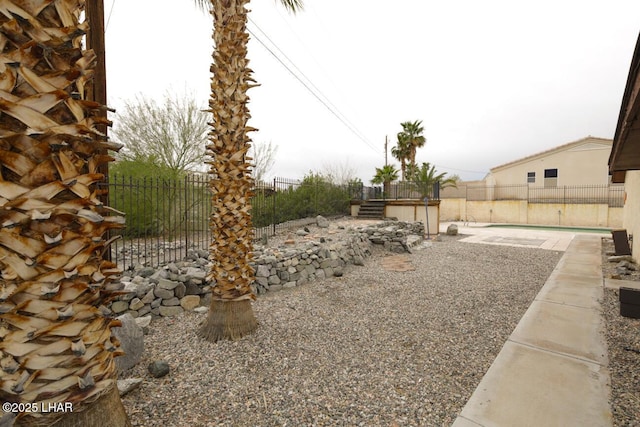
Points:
(360, 134)
(323, 102)
(460, 170)
(113, 3)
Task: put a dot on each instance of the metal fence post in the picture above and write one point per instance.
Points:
(186, 213)
(273, 217)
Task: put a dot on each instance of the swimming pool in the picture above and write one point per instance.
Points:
(554, 228)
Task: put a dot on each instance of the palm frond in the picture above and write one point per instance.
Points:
(204, 5)
(293, 5)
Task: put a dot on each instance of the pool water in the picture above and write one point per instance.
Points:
(553, 228)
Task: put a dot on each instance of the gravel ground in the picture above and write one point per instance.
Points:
(623, 341)
(371, 348)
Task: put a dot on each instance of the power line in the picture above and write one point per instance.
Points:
(360, 134)
(326, 103)
(109, 18)
(460, 170)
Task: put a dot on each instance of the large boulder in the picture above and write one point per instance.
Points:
(322, 222)
(452, 230)
(131, 341)
(158, 368)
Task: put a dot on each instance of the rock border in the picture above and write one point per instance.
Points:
(178, 286)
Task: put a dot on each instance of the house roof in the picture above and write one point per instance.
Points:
(588, 140)
(625, 153)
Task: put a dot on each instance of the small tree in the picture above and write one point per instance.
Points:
(171, 134)
(385, 176)
(264, 157)
(339, 173)
(425, 177)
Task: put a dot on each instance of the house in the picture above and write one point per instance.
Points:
(624, 160)
(582, 162)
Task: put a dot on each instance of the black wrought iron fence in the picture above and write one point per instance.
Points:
(612, 195)
(165, 218)
(403, 190)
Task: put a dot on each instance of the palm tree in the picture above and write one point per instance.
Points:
(385, 176)
(425, 177)
(231, 314)
(402, 152)
(55, 338)
(412, 131)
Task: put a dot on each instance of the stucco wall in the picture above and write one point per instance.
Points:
(411, 211)
(415, 212)
(453, 209)
(522, 212)
(587, 215)
(631, 216)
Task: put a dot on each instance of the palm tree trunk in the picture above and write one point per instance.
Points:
(55, 338)
(231, 314)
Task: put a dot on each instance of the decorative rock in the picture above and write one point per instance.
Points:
(322, 222)
(144, 310)
(148, 298)
(192, 289)
(201, 309)
(263, 271)
(136, 304)
(292, 264)
(168, 311)
(171, 302)
(128, 296)
(127, 385)
(274, 280)
(180, 290)
(163, 293)
(146, 272)
(452, 230)
(167, 284)
(143, 322)
(206, 299)
(119, 306)
(158, 369)
(190, 302)
(131, 341)
(196, 273)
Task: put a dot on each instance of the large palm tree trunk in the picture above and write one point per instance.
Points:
(55, 339)
(231, 315)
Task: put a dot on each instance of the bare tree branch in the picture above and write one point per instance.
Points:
(171, 134)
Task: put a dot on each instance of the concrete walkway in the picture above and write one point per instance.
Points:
(553, 369)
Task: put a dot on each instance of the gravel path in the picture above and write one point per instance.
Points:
(371, 348)
(623, 342)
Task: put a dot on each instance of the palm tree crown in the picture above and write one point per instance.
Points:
(412, 133)
(387, 173)
(292, 5)
(426, 176)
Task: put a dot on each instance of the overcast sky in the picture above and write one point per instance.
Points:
(492, 81)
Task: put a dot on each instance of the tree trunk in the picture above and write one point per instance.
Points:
(231, 314)
(55, 332)
(106, 411)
